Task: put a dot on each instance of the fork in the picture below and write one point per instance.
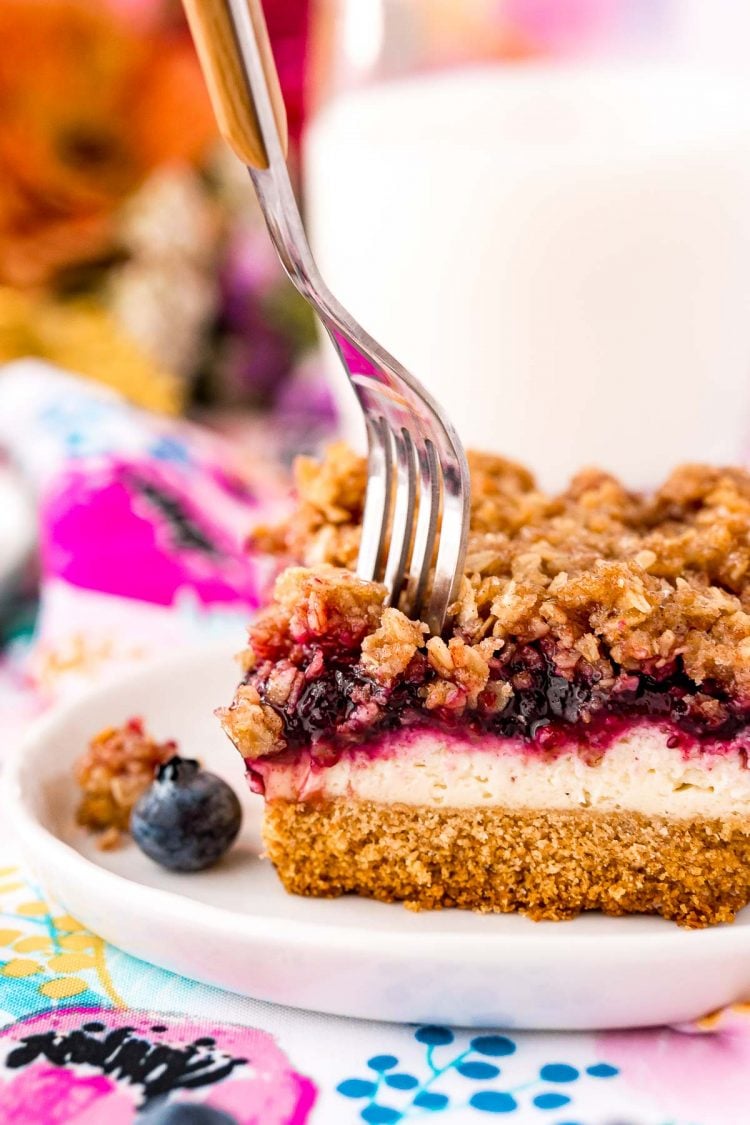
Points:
(416, 507)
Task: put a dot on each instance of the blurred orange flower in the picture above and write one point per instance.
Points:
(89, 107)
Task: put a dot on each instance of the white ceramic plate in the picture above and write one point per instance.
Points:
(236, 927)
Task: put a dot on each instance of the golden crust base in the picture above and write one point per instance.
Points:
(548, 864)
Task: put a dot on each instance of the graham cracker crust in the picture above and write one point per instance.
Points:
(547, 864)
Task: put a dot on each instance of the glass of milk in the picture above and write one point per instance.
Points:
(560, 253)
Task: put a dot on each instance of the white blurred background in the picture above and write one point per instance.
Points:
(543, 210)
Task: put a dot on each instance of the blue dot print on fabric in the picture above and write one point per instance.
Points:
(434, 1036)
(356, 1088)
(478, 1070)
(380, 1114)
(428, 1100)
(558, 1072)
(381, 1063)
(401, 1081)
(494, 1045)
(492, 1101)
(602, 1070)
(551, 1101)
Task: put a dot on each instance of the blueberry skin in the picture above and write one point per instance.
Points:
(187, 819)
(185, 1114)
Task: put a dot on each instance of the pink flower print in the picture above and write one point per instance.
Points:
(82, 1066)
(684, 1070)
(147, 532)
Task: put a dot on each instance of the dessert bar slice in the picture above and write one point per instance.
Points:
(578, 739)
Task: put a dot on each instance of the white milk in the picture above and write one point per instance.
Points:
(562, 257)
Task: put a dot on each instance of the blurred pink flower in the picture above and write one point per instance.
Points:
(550, 25)
(682, 1070)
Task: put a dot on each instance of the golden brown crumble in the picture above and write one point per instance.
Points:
(462, 665)
(114, 771)
(651, 576)
(388, 652)
(607, 583)
(325, 527)
(328, 602)
(252, 724)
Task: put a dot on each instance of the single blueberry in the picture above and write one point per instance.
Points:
(434, 1036)
(187, 819)
(494, 1045)
(185, 1114)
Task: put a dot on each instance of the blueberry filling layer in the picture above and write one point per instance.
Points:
(338, 704)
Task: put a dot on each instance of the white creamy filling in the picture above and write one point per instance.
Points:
(638, 772)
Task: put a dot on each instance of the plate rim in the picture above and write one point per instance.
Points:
(34, 838)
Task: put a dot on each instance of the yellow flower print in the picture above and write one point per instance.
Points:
(67, 958)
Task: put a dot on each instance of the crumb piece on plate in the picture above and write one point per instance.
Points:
(116, 768)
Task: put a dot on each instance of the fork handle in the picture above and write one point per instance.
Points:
(232, 42)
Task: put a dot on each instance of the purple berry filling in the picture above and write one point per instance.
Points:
(340, 706)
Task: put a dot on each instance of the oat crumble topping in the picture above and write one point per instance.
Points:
(114, 771)
(603, 593)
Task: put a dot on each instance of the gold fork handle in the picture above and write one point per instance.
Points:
(227, 73)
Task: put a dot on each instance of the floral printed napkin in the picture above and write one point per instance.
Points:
(142, 522)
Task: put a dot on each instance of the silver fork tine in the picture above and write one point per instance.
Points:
(425, 530)
(430, 470)
(378, 500)
(451, 547)
(403, 515)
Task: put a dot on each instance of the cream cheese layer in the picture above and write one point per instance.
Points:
(640, 771)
